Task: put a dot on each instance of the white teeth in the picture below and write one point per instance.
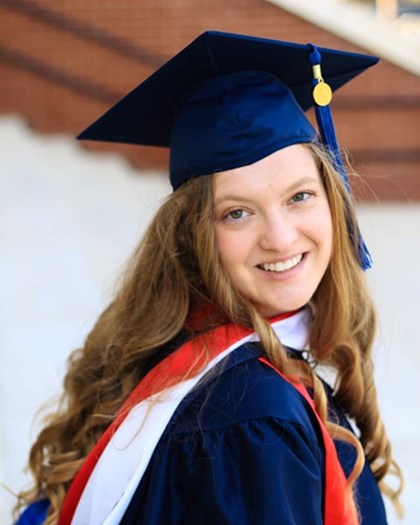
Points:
(282, 266)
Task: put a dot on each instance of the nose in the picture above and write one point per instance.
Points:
(279, 233)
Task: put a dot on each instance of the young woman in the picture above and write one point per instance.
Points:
(197, 397)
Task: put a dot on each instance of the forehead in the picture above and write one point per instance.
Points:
(278, 172)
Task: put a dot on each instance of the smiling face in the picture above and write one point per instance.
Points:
(273, 229)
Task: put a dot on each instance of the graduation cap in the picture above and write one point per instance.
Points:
(228, 100)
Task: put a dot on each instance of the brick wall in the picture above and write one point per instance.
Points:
(63, 63)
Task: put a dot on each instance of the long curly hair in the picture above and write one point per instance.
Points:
(176, 269)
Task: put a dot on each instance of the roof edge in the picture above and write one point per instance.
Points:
(353, 24)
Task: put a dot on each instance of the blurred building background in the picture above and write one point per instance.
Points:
(62, 63)
(71, 213)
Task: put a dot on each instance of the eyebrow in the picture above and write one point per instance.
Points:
(303, 180)
(289, 189)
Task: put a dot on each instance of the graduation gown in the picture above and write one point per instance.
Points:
(244, 448)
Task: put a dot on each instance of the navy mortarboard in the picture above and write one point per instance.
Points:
(229, 100)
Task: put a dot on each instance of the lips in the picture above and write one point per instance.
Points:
(282, 266)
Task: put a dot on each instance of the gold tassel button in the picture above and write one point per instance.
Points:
(322, 94)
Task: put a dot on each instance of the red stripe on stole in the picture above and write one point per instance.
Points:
(339, 505)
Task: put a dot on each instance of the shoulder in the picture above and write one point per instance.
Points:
(239, 436)
(240, 390)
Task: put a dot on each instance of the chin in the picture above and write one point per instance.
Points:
(276, 308)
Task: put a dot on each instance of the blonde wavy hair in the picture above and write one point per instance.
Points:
(175, 269)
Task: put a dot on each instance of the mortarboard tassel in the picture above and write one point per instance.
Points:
(322, 95)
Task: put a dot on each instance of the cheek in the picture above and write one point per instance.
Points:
(230, 247)
(324, 230)
(319, 230)
(223, 247)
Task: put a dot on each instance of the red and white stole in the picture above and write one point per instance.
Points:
(105, 484)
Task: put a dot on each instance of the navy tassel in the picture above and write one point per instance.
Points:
(322, 97)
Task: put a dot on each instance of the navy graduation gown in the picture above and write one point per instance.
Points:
(244, 448)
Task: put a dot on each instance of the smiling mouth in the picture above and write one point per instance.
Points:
(282, 266)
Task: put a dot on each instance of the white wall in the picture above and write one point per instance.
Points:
(69, 219)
